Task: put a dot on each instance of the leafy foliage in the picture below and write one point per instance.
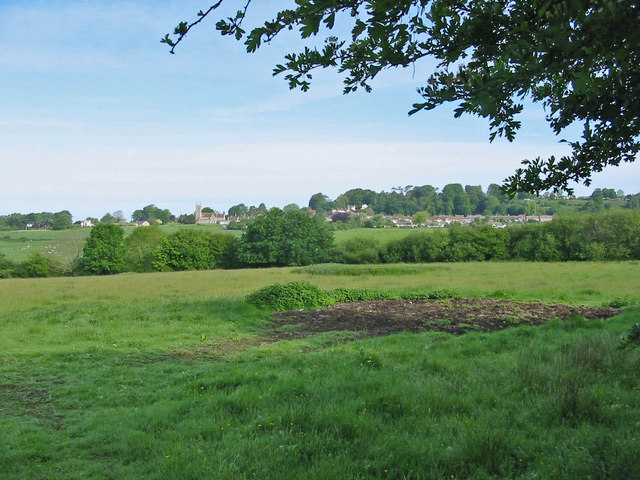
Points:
(103, 252)
(140, 246)
(579, 59)
(302, 295)
(285, 238)
(289, 296)
(358, 250)
(152, 214)
(193, 250)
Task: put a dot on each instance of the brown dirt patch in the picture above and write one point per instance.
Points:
(455, 316)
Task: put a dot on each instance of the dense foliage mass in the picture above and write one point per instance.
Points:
(579, 59)
(426, 200)
(41, 220)
(104, 252)
(282, 238)
(194, 250)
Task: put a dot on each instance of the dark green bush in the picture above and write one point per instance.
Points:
(188, 249)
(358, 250)
(39, 266)
(298, 295)
(290, 296)
(431, 295)
(103, 251)
(619, 302)
(360, 295)
(285, 238)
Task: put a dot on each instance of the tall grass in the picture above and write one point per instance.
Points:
(169, 376)
(552, 402)
(589, 283)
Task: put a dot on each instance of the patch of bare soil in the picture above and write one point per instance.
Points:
(455, 316)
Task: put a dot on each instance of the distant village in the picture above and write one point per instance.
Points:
(400, 221)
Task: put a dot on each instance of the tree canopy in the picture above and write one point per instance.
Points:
(281, 238)
(579, 59)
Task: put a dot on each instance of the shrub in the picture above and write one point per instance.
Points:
(289, 296)
(358, 250)
(39, 266)
(360, 295)
(418, 247)
(139, 248)
(431, 295)
(103, 251)
(619, 302)
(188, 249)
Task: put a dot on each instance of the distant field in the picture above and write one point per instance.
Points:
(65, 245)
(587, 283)
(61, 244)
(383, 235)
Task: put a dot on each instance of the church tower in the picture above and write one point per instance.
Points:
(198, 212)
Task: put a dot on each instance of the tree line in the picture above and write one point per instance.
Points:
(419, 202)
(289, 238)
(40, 220)
(454, 199)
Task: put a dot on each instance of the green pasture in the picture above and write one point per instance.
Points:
(171, 376)
(65, 245)
(588, 283)
(382, 235)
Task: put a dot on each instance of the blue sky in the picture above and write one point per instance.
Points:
(97, 116)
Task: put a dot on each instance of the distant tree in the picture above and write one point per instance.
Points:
(151, 213)
(256, 211)
(207, 210)
(16, 221)
(103, 251)
(456, 200)
(62, 220)
(238, 210)
(108, 218)
(285, 238)
(633, 202)
(495, 190)
(119, 216)
(320, 203)
(291, 206)
(420, 218)
(187, 218)
(476, 198)
(139, 247)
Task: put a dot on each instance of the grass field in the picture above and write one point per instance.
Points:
(65, 245)
(382, 235)
(169, 376)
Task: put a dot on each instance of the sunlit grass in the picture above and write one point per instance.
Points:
(170, 376)
(588, 283)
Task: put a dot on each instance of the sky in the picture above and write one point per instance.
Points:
(97, 116)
